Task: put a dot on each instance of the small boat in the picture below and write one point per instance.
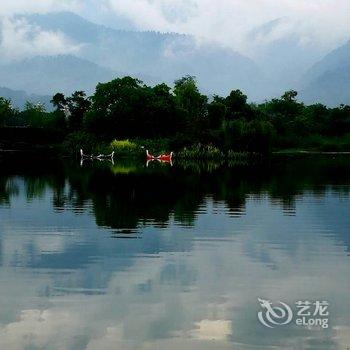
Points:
(162, 157)
(150, 156)
(85, 156)
(166, 157)
(159, 161)
(165, 161)
(99, 157)
(106, 156)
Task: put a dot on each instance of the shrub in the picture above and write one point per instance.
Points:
(79, 140)
(328, 144)
(126, 148)
(253, 136)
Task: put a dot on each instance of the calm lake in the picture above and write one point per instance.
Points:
(100, 256)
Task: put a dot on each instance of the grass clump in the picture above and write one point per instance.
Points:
(126, 148)
(200, 151)
(328, 144)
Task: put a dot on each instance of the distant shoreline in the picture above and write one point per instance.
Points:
(40, 150)
(294, 152)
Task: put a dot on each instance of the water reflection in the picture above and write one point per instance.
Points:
(126, 256)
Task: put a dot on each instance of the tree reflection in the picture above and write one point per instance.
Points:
(128, 195)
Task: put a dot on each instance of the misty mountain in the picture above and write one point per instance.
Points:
(282, 61)
(328, 81)
(282, 54)
(159, 56)
(48, 75)
(19, 98)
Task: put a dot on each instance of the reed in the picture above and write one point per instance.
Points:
(200, 151)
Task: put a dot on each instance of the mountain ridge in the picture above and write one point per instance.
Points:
(279, 64)
(20, 97)
(328, 81)
(51, 74)
(162, 56)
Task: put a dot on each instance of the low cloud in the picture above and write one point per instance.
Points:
(20, 39)
(321, 22)
(10, 7)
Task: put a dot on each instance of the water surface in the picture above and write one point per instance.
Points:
(101, 256)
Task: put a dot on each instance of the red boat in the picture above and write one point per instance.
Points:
(162, 157)
(166, 157)
(150, 156)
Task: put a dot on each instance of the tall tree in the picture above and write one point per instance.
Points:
(193, 104)
(119, 108)
(237, 106)
(35, 115)
(59, 101)
(78, 104)
(6, 111)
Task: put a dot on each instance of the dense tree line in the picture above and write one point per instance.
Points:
(125, 108)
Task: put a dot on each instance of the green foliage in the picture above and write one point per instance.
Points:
(123, 144)
(193, 106)
(72, 108)
(138, 147)
(161, 119)
(237, 106)
(78, 105)
(253, 136)
(125, 107)
(6, 111)
(189, 98)
(200, 151)
(126, 148)
(328, 143)
(339, 120)
(80, 140)
(282, 112)
(35, 115)
(217, 112)
(59, 101)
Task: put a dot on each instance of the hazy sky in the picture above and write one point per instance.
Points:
(325, 23)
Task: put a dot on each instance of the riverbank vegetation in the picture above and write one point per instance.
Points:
(128, 117)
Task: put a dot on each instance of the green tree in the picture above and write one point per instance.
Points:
(314, 119)
(78, 104)
(284, 114)
(253, 136)
(340, 120)
(59, 101)
(290, 96)
(6, 111)
(35, 115)
(165, 118)
(120, 108)
(125, 107)
(217, 112)
(237, 106)
(193, 105)
(189, 98)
